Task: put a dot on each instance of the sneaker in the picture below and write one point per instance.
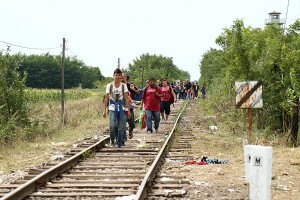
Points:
(156, 131)
(112, 144)
(123, 143)
(148, 131)
(130, 135)
(119, 146)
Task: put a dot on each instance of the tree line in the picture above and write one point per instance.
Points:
(271, 55)
(157, 66)
(44, 71)
(19, 71)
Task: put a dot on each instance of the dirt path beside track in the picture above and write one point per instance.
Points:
(227, 181)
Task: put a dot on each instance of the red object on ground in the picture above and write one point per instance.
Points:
(193, 162)
(190, 162)
(144, 121)
(202, 163)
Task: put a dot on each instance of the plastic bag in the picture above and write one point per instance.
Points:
(144, 121)
(140, 118)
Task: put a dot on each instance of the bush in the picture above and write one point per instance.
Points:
(13, 101)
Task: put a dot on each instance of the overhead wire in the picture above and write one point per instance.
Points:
(68, 49)
(24, 47)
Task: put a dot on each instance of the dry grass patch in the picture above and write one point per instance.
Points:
(83, 120)
(219, 181)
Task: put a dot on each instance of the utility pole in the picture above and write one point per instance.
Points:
(119, 63)
(63, 83)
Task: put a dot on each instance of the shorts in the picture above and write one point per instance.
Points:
(165, 107)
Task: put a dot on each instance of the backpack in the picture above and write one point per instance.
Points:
(111, 87)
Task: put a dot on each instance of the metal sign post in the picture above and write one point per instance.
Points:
(249, 122)
(249, 95)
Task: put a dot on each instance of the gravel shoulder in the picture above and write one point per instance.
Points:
(227, 181)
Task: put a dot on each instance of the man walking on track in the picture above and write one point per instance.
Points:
(116, 94)
(151, 99)
(132, 91)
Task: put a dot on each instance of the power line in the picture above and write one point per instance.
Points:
(28, 47)
(68, 49)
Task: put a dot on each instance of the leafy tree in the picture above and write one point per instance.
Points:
(291, 66)
(258, 54)
(211, 65)
(13, 101)
(157, 66)
(44, 71)
(89, 76)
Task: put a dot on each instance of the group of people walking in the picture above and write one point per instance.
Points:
(188, 90)
(156, 102)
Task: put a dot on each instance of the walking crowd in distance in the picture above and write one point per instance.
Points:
(121, 97)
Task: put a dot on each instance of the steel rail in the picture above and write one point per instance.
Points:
(153, 169)
(27, 188)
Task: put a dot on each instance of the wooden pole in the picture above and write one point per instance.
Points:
(249, 123)
(63, 83)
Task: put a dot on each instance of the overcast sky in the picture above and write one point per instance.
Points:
(99, 32)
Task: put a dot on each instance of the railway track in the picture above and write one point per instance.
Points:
(94, 170)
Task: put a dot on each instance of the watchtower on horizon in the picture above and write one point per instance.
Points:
(274, 18)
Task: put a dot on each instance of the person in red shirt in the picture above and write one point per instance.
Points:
(151, 99)
(165, 105)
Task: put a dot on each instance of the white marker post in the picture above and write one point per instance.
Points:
(260, 172)
(247, 159)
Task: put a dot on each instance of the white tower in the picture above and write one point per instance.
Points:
(274, 18)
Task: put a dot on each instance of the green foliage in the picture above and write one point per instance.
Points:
(147, 66)
(13, 101)
(256, 54)
(87, 154)
(44, 71)
(211, 65)
(102, 84)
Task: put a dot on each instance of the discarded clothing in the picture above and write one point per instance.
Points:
(213, 161)
(193, 162)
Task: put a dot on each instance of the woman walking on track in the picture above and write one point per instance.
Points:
(165, 104)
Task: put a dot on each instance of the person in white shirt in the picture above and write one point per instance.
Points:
(116, 94)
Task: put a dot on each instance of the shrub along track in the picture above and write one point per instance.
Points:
(94, 170)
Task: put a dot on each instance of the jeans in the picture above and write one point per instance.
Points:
(187, 95)
(124, 132)
(156, 116)
(131, 122)
(117, 124)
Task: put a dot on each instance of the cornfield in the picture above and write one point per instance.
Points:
(49, 95)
